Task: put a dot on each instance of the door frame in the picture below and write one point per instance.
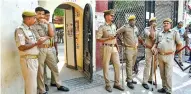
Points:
(90, 30)
(74, 35)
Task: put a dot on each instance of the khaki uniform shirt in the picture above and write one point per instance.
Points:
(167, 40)
(130, 35)
(148, 40)
(41, 30)
(104, 31)
(24, 35)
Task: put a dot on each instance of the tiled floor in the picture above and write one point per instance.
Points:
(181, 81)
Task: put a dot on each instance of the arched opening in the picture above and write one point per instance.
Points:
(69, 27)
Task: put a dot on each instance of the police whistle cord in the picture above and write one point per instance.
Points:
(183, 69)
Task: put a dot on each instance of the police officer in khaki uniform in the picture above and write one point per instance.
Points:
(130, 35)
(53, 43)
(46, 53)
(150, 36)
(27, 45)
(167, 42)
(106, 34)
(181, 31)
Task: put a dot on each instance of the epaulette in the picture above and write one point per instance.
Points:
(20, 27)
(147, 27)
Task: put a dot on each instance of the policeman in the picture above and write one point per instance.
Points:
(150, 34)
(181, 31)
(167, 42)
(27, 45)
(130, 36)
(42, 28)
(106, 34)
(187, 39)
(53, 43)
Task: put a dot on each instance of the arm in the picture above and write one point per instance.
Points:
(120, 30)
(21, 41)
(154, 48)
(49, 28)
(100, 34)
(50, 31)
(140, 40)
(152, 32)
(26, 46)
(139, 37)
(178, 41)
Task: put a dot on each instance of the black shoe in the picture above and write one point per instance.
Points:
(130, 85)
(168, 93)
(134, 82)
(54, 85)
(118, 87)
(150, 82)
(108, 88)
(145, 86)
(181, 63)
(162, 90)
(45, 93)
(62, 88)
(46, 87)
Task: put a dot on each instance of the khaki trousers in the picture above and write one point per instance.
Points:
(110, 54)
(180, 53)
(187, 42)
(166, 68)
(47, 54)
(147, 75)
(29, 69)
(45, 70)
(131, 56)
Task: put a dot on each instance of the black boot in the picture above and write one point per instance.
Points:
(145, 86)
(130, 85)
(162, 90)
(62, 88)
(46, 87)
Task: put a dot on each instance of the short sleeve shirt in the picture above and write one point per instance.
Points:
(104, 31)
(130, 34)
(40, 30)
(148, 40)
(167, 40)
(23, 36)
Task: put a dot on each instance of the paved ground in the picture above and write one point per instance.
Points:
(78, 85)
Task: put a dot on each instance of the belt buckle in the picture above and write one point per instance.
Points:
(46, 46)
(162, 53)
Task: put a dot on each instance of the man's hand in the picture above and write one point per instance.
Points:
(41, 40)
(44, 21)
(154, 50)
(111, 36)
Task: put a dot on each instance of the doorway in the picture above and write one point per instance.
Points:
(78, 40)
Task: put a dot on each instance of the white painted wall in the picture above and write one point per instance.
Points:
(11, 77)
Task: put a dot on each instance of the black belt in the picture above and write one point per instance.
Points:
(111, 45)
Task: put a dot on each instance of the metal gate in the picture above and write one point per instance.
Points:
(123, 9)
(164, 9)
(87, 42)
